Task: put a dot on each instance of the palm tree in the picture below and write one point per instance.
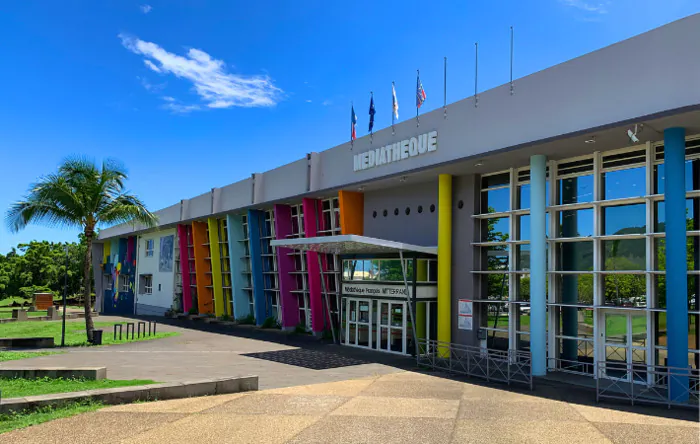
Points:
(80, 195)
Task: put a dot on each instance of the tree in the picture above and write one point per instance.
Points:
(80, 195)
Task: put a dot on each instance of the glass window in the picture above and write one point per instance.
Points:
(625, 290)
(522, 291)
(660, 288)
(575, 256)
(496, 257)
(575, 190)
(523, 228)
(624, 183)
(692, 172)
(624, 219)
(576, 322)
(391, 270)
(575, 289)
(495, 201)
(371, 270)
(624, 254)
(496, 287)
(576, 223)
(660, 253)
(523, 198)
(522, 257)
(495, 230)
(691, 215)
(495, 180)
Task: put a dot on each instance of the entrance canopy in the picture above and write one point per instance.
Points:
(350, 244)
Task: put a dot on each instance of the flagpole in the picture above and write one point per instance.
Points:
(371, 131)
(444, 100)
(476, 74)
(393, 88)
(352, 110)
(511, 61)
(417, 107)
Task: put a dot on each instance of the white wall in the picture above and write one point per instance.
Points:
(163, 281)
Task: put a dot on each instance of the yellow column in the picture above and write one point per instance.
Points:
(215, 252)
(106, 251)
(421, 276)
(444, 281)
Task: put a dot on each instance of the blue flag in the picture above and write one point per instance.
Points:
(371, 113)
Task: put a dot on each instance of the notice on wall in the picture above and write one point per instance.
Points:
(465, 315)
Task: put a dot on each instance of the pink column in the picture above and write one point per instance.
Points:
(184, 268)
(285, 265)
(312, 212)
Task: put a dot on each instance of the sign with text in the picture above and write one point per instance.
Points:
(362, 289)
(465, 315)
(396, 152)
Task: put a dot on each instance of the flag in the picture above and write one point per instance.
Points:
(353, 122)
(420, 93)
(371, 113)
(394, 102)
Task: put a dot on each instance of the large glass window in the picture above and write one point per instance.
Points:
(624, 219)
(495, 193)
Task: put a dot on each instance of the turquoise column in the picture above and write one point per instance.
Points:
(676, 260)
(538, 264)
(237, 253)
(255, 219)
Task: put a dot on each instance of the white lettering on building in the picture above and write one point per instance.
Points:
(405, 149)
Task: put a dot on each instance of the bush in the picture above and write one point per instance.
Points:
(225, 318)
(193, 311)
(300, 329)
(247, 320)
(28, 292)
(270, 322)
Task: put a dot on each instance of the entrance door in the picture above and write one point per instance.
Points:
(359, 317)
(391, 331)
(625, 345)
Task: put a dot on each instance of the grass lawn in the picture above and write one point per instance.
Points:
(17, 387)
(14, 355)
(6, 311)
(20, 420)
(75, 332)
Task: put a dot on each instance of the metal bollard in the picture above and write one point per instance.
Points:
(120, 331)
(140, 323)
(154, 328)
(133, 330)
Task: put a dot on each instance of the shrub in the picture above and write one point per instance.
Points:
(270, 322)
(28, 292)
(300, 329)
(193, 311)
(246, 320)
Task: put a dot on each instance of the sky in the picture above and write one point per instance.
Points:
(191, 95)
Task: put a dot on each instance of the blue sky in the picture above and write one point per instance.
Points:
(157, 83)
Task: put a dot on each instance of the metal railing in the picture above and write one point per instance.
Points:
(510, 366)
(655, 384)
(570, 366)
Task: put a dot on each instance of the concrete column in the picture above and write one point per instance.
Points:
(237, 252)
(285, 267)
(538, 264)
(676, 259)
(312, 213)
(184, 268)
(255, 219)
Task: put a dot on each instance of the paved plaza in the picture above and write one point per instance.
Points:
(401, 407)
(320, 393)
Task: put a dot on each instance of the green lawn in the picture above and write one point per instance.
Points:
(14, 355)
(20, 420)
(6, 311)
(17, 387)
(75, 332)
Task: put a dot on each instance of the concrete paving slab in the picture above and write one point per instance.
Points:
(90, 428)
(272, 404)
(187, 405)
(517, 432)
(348, 429)
(226, 428)
(601, 414)
(414, 389)
(518, 411)
(399, 407)
(648, 434)
(352, 387)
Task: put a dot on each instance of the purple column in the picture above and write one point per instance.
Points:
(285, 267)
(311, 215)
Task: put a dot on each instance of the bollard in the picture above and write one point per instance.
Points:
(120, 331)
(139, 324)
(154, 328)
(133, 330)
(149, 328)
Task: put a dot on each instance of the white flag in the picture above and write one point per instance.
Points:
(395, 103)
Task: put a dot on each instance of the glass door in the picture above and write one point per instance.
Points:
(359, 322)
(625, 345)
(391, 328)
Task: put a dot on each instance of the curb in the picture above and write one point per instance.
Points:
(125, 395)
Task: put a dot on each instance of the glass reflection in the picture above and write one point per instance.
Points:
(624, 219)
(624, 183)
(575, 256)
(524, 227)
(692, 176)
(576, 223)
(625, 290)
(523, 288)
(692, 215)
(496, 287)
(575, 289)
(575, 190)
(624, 254)
(495, 201)
(496, 230)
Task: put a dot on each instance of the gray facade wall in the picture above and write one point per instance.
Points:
(464, 232)
(150, 310)
(415, 228)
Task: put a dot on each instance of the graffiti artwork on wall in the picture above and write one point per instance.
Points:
(165, 262)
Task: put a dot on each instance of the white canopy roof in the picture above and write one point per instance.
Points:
(350, 244)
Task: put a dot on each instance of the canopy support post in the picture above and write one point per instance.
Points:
(325, 296)
(408, 300)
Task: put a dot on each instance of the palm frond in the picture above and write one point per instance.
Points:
(127, 208)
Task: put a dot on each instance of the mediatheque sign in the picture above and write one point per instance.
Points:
(387, 290)
(396, 152)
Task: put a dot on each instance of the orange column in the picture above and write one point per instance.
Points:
(202, 265)
(352, 212)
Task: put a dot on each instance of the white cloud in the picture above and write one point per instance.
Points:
(308, 100)
(327, 103)
(148, 86)
(179, 108)
(211, 81)
(168, 98)
(146, 8)
(597, 8)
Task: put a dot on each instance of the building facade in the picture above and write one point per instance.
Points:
(561, 219)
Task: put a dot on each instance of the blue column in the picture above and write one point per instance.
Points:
(676, 259)
(255, 219)
(538, 264)
(236, 248)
